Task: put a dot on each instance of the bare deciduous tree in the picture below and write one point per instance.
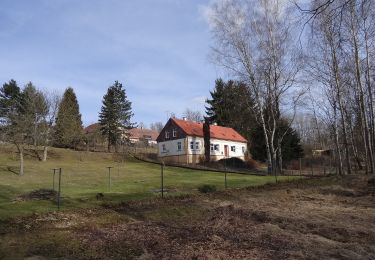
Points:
(157, 126)
(254, 40)
(192, 115)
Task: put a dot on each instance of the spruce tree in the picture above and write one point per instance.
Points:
(9, 96)
(68, 130)
(231, 106)
(115, 114)
(291, 147)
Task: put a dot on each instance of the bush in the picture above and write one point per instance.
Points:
(207, 188)
(233, 162)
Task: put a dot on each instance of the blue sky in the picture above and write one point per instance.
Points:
(158, 49)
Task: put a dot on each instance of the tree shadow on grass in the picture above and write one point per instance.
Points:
(11, 169)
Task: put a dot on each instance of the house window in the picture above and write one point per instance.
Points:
(179, 146)
(243, 149)
(166, 134)
(216, 147)
(211, 147)
(164, 149)
(233, 149)
(194, 145)
(174, 133)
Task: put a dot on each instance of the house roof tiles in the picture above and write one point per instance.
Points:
(143, 133)
(91, 128)
(217, 132)
(135, 133)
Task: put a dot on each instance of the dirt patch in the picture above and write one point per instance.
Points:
(41, 194)
(313, 219)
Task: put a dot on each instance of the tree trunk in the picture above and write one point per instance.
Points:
(370, 102)
(354, 39)
(354, 146)
(280, 157)
(269, 158)
(45, 151)
(338, 89)
(109, 143)
(338, 151)
(20, 151)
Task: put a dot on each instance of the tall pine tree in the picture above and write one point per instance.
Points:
(9, 96)
(68, 129)
(115, 114)
(230, 106)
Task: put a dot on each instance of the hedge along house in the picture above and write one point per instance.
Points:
(182, 141)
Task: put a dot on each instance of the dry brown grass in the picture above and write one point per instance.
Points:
(330, 218)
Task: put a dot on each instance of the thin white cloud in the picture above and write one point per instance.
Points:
(201, 100)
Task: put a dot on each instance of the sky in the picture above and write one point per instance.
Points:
(158, 50)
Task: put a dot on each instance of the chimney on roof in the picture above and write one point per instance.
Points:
(184, 118)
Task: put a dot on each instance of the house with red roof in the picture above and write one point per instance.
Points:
(182, 141)
(135, 135)
(142, 134)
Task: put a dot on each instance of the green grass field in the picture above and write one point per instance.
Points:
(84, 174)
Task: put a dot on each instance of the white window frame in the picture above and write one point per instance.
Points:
(174, 133)
(166, 134)
(243, 149)
(195, 145)
(211, 147)
(179, 146)
(217, 147)
(164, 148)
(233, 148)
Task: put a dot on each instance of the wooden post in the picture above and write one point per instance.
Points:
(300, 166)
(59, 191)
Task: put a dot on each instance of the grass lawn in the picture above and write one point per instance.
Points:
(84, 174)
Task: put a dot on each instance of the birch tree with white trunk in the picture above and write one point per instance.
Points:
(254, 41)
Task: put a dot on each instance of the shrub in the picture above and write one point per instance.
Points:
(207, 188)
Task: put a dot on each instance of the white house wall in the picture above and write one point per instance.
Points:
(238, 150)
(171, 148)
(198, 140)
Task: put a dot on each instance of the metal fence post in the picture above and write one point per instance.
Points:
(162, 179)
(59, 191)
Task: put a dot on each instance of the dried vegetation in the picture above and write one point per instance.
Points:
(313, 219)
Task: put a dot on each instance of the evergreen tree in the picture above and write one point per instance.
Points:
(35, 108)
(22, 114)
(231, 106)
(115, 114)
(290, 146)
(68, 129)
(9, 96)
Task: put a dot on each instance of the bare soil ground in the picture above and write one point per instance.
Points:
(322, 218)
